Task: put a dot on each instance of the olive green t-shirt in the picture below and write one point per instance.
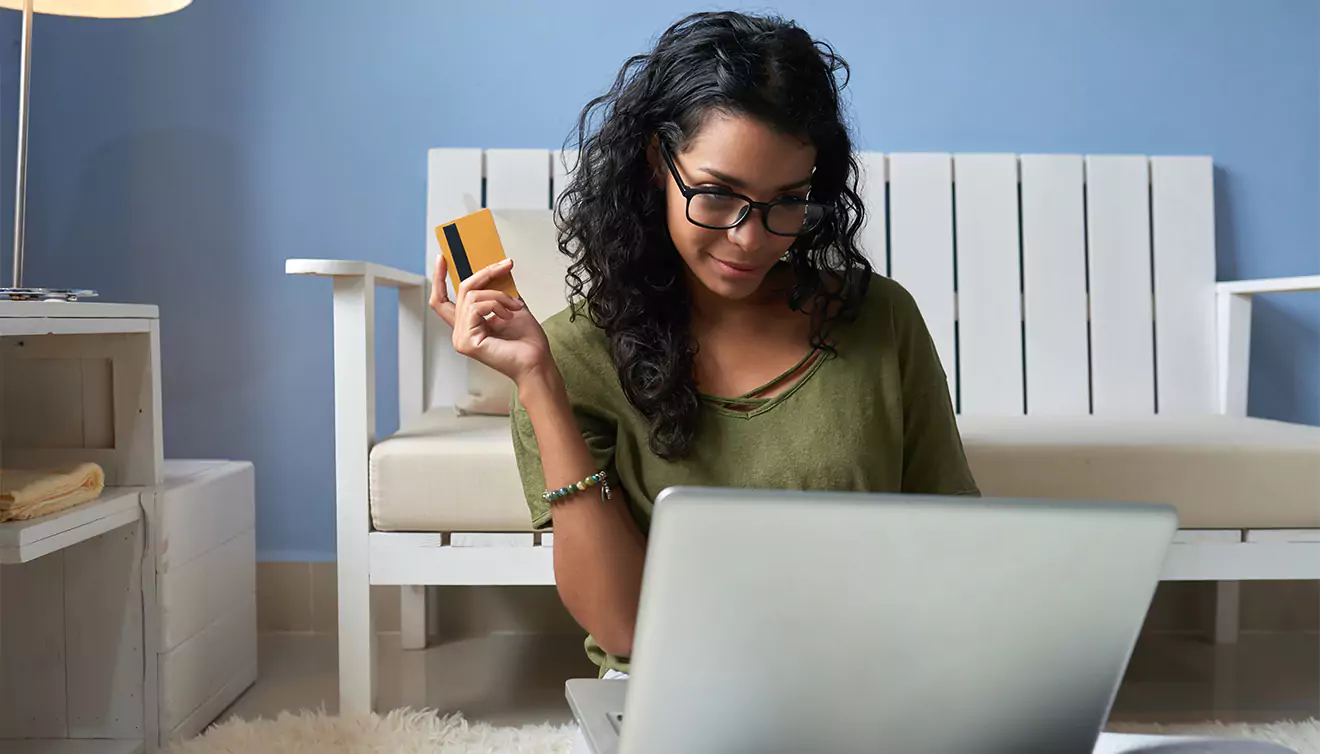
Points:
(873, 417)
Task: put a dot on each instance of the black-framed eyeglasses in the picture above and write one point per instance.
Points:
(721, 209)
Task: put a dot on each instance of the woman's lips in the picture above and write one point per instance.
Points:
(735, 269)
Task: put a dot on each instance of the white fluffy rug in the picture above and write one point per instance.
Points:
(1302, 737)
(410, 732)
(399, 732)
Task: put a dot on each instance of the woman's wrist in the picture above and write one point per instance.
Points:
(541, 388)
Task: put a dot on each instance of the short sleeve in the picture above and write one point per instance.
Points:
(934, 462)
(599, 433)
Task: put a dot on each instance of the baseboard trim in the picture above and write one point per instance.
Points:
(301, 597)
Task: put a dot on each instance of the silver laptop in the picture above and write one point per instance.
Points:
(804, 622)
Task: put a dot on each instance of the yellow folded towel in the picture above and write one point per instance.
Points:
(27, 494)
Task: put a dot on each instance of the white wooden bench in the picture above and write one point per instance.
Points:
(1073, 302)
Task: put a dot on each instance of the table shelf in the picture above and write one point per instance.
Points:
(23, 541)
(77, 310)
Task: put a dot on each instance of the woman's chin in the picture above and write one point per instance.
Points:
(733, 290)
(729, 282)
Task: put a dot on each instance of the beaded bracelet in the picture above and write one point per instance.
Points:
(600, 477)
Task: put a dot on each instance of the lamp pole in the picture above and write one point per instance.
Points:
(88, 8)
(20, 190)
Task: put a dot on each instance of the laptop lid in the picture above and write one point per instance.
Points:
(805, 621)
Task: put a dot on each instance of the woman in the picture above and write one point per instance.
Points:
(725, 328)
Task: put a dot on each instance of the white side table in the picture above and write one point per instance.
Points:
(78, 646)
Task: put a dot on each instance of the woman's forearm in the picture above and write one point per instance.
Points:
(598, 550)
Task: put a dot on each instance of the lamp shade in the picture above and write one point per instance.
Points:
(101, 8)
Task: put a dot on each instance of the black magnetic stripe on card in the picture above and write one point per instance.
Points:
(456, 250)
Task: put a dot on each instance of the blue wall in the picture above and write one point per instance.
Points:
(180, 160)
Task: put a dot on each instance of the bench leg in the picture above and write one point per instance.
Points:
(357, 644)
(1226, 617)
(412, 617)
(1228, 603)
(355, 430)
(413, 634)
(1225, 684)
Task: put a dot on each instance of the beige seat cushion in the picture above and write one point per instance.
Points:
(1220, 472)
(448, 473)
(451, 473)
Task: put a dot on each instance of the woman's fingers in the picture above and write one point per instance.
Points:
(484, 309)
(476, 306)
(479, 315)
(490, 294)
(440, 303)
(482, 278)
(477, 310)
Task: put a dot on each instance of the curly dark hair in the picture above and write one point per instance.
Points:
(626, 274)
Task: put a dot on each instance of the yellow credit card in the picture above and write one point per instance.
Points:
(471, 243)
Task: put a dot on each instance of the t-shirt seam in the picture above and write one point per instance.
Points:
(923, 395)
(540, 521)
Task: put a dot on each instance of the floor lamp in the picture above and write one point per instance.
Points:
(85, 8)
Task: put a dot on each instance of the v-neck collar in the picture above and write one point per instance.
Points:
(757, 406)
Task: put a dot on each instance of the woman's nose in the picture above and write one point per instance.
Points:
(751, 235)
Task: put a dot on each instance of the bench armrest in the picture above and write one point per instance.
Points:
(1270, 285)
(341, 268)
(355, 286)
(1233, 324)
